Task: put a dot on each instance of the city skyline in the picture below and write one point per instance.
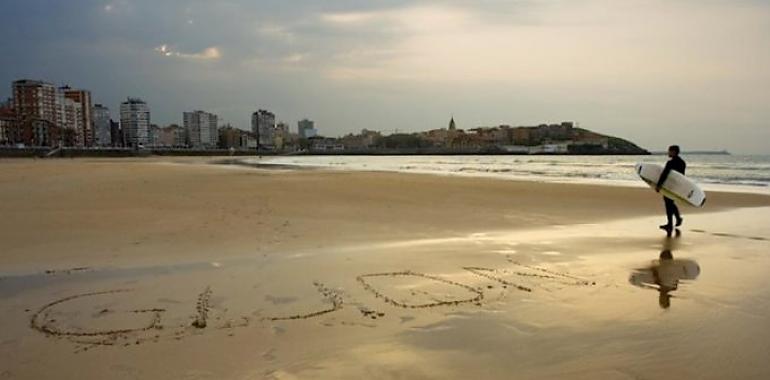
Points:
(41, 114)
(61, 93)
(653, 72)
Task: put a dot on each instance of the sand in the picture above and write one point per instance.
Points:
(171, 269)
(65, 213)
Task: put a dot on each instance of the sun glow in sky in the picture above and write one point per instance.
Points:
(656, 72)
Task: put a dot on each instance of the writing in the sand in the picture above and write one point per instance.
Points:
(116, 317)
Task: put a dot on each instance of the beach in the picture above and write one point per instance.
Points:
(201, 268)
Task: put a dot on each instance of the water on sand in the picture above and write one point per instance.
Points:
(602, 300)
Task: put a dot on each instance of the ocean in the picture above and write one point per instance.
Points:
(742, 173)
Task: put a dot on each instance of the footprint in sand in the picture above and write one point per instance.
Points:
(729, 235)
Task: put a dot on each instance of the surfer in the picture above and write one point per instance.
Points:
(675, 163)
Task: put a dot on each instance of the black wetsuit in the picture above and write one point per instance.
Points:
(677, 164)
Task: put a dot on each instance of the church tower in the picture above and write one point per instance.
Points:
(451, 133)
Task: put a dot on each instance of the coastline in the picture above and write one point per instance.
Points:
(74, 152)
(594, 170)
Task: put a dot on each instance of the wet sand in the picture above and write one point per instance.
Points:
(375, 275)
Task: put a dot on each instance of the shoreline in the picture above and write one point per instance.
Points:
(506, 176)
(112, 152)
(248, 161)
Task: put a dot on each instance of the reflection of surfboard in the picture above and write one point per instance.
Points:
(669, 273)
(676, 186)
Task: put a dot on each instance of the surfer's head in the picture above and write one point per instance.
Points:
(673, 150)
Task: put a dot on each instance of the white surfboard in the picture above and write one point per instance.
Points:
(676, 186)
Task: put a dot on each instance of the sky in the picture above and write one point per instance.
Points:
(692, 72)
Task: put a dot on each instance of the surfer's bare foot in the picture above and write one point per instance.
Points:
(679, 222)
(667, 228)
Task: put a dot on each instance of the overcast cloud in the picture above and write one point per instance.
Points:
(656, 72)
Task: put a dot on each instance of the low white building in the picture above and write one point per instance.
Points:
(550, 148)
(516, 149)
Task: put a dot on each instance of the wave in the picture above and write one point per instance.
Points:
(728, 170)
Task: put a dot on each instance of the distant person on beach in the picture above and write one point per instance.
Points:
(675, 163)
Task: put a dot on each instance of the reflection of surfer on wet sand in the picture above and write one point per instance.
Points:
(664, 275)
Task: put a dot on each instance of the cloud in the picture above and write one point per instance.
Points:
(404, 20)
(635, 68)
(276, 32)
(211, 53)
(294, 58)
(581, 42)
(116, 6)
(347, 18)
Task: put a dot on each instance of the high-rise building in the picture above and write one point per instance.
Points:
(84, 128)
(7, 124)
(65, 107)
(116, 134)
(34, 99)
(102, 128)
(135, 122)
(201, 129)
(263, 125)
(306, 129)
(69, 117)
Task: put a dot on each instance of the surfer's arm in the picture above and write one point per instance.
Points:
(663, 176)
